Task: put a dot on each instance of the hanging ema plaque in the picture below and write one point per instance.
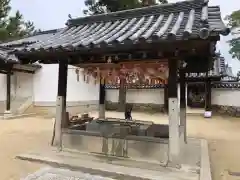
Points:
(148, 73)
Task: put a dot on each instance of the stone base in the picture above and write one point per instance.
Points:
(7, 112)
(208, 114)
(129, 168)
(148, 107)
(226, 110)
(7, 115)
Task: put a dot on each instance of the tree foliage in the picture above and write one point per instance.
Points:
(233, 19)
(235, 47)
(13, 26)
(105, 6)
(234, 22)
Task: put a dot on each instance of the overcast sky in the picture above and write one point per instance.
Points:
(50, 14)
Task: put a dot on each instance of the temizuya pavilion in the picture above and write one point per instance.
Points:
(153, 44)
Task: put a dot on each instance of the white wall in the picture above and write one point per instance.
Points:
(43, 87)
(22, 85)
(17, 80)
(154, 96)
(2, 87)
(46, 83)
(226, 97)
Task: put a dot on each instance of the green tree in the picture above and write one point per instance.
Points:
(13, 27)
(234, 22)
(104, 6)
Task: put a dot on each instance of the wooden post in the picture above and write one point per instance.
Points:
(208, 109)
(186, 95)
(102, 94)
(122, 96)
(183, 124)
(61, 102)
(174, 145)
(166, 98)
(8, 92)
(65, 122)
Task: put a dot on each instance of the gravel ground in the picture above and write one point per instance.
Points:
(26, 134)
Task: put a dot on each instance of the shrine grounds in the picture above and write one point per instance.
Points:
(27, 134)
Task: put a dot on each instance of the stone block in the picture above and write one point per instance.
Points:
(226, 110)
(158, 130)
(93, 126)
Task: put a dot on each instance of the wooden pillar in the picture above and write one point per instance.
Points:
(186, 95)
(166, 98)
(61, 102)
(122, 95)
(65, 122)
(102, 94)
(208, 109)
(183, 129)
(173, 113)
(8, 92)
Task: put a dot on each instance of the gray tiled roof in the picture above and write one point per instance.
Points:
(177, 21)
(8, 47)
(41, 36)
(227, 85)
(27, 67)
(6, 57)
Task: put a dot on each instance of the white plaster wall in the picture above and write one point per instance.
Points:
(227, 97)
(112, 95)
(153, 96)
(22, 85)
(46, 83)
(2, 87)
(80, 90)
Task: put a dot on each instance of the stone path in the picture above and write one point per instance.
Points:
(49, 173)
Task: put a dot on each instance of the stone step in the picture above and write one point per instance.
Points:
(16, 103)
(50, 173)
(114, 168)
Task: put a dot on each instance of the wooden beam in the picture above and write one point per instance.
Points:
(166, 98)
(102, 97)
(118, 64)
(208, 96)
(8, 90)
(61, 102)
(24, 71)
(164, 49)
(183, 135)
(3, 72)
